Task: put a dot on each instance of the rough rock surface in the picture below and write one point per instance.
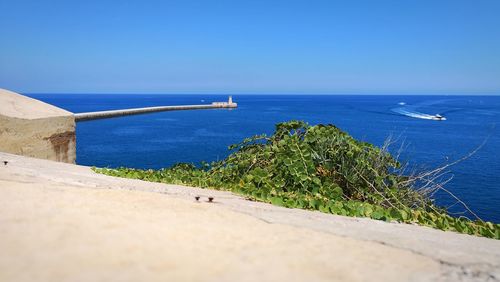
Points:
(62, 222)
(32, 128)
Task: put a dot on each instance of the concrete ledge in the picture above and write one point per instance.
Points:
(65, 221)
(32, 128)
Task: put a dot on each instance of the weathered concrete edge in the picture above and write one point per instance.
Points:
(136, 111)
(462, 256)
(33, 128)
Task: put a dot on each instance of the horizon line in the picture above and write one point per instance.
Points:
(496, 93)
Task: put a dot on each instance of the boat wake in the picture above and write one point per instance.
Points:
(413, 114)
(410, 111)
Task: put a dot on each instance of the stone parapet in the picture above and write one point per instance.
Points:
(32, 128)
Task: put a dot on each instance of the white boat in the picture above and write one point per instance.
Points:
(438, 117)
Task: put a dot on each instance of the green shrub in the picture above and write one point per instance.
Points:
(319, 168)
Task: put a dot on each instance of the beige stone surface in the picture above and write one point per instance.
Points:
(62, 222)
(32, 128)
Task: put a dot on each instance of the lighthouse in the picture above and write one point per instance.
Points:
(230, 100)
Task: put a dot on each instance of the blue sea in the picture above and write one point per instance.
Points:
(161, 139)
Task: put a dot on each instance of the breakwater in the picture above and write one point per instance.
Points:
(136, 111)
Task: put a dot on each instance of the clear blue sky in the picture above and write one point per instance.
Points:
(268, 46)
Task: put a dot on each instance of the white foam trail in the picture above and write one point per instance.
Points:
(413, 114)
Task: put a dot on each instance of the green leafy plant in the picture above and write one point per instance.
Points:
(320, 168)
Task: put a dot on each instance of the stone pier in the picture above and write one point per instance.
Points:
(137, 111)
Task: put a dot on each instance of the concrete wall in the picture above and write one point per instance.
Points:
(32, 128)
